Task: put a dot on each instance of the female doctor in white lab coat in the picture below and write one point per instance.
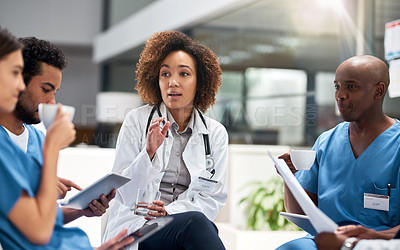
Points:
(170, 146)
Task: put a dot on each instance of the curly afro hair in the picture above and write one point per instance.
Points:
(157, 48)
(35, 52)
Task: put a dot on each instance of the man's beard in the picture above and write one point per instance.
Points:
(25, 115)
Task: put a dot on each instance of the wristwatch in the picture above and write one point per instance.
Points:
(349, 243)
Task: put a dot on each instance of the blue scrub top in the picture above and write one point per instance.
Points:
(18, 172)
(340, 180)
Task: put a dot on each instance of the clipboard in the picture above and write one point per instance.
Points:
(103, 186)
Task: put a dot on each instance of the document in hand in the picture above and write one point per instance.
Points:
(103, 186)
(320, 221)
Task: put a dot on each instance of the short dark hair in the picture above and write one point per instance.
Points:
(157, 48)
(35, 52)
(8, 43)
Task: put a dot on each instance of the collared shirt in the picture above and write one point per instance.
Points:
(176, 179)
(132, 160)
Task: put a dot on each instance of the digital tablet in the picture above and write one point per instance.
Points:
(301, 221)
(151, 227)
(103, 186)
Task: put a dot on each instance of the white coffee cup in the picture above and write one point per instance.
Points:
(48, 112)
(302, 159)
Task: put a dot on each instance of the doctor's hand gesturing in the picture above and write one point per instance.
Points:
(156, 135)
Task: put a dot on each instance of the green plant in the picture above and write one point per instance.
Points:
(263, 204)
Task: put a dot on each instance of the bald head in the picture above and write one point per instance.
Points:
(361, 83)
(370, 67)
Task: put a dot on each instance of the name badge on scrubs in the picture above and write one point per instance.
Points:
(376, 201)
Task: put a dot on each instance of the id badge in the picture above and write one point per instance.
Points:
(207, 185)
(376, 201)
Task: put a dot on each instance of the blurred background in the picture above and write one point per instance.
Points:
(278, 57)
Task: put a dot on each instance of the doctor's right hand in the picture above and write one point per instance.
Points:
(286, 158)
(156, 136)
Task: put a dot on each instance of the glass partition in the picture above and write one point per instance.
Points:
(278, 60)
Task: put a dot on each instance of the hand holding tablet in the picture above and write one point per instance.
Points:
(103, 186)
(302, 221)
(151, 227)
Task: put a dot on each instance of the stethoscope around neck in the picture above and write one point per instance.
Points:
(209, 160)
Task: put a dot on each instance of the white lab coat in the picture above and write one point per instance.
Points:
(132, 160)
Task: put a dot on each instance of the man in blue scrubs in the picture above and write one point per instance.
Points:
(29, 216)
(355, 177)
(42, 75)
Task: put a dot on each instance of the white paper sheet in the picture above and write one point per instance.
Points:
(394, 71)
(392, 40)
(320, 221)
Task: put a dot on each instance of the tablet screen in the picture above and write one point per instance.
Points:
(103, 186)
(151, 227)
